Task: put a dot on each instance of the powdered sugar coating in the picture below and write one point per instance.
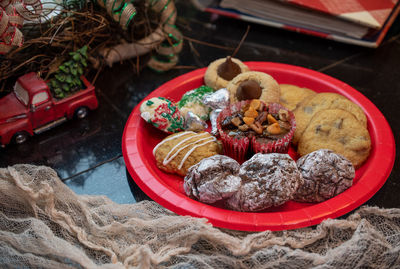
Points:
(267, 180)
(212, 179)
(325, 174)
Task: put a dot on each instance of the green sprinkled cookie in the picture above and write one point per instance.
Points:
(193, 101)
(162, 114)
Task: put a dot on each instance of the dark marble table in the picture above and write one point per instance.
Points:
(87, 153)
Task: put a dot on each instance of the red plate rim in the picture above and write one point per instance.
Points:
(378, 170)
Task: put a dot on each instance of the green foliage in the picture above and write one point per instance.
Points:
(67, 78)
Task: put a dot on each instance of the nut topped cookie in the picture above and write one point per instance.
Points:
(267, 180)
(325, 173)
(212, 179)
(322, 101)
(178, 152)
(221, 71)
(292, 96)
(340, 131)
(254, 85)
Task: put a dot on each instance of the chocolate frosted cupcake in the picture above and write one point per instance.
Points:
(221, 71)
(278, 130)
(233, 132)
(266, 127)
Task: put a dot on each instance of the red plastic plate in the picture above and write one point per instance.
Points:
(140, 138)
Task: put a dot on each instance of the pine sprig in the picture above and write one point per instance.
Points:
(67, 78)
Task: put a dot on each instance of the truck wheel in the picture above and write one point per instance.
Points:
(81, 112)
(20, 137)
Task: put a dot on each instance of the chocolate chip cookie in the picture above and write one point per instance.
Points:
(338, 130)
(292, 96)
(322, 101)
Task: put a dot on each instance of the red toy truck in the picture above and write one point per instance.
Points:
(31, 109)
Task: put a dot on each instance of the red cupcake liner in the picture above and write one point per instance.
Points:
(233, 147)
(280, 145)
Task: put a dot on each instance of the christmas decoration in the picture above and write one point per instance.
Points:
(32, 108)
(12, 16)
(112, 31)
(120, 10)
(67, 78)
(166, 31)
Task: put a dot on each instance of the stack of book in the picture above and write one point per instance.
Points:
(360, 22)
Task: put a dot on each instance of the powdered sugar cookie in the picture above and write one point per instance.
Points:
(325, 174)
(212, 179)
(267, 180)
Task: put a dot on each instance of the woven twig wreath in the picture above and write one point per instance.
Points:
(166, 31)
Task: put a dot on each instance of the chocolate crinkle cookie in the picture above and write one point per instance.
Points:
(325, 174)
(212, 179)
(267, 180)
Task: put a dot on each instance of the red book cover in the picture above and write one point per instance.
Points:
(372, 13)
(359, 22)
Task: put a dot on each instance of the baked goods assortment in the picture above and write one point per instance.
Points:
(242, 162)
(269, 180)
(263, 181)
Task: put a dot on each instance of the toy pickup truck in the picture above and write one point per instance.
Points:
(31, 109)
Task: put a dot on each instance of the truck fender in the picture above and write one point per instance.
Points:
(8, 130)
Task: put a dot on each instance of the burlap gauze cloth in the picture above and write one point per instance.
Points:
(43, 224)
